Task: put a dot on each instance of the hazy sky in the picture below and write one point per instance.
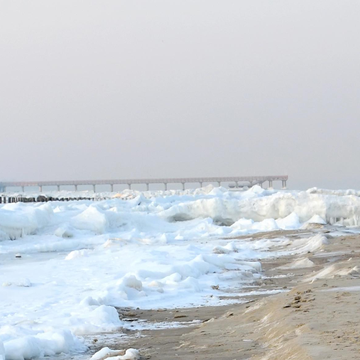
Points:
(121, 89)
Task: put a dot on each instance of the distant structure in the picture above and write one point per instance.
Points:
(233, 182)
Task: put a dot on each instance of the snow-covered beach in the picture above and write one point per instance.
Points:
(66, 267)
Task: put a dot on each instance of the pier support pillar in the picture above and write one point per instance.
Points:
(165, 184)
(58, 187)
(40, 188)
(219, 183)
(201, 184)
(94, 188)
(183, 186)
(112, 187)
(129, 186)
(23, 188)
(147, 187)
(270, 184)
(284, 184)
(76, 188)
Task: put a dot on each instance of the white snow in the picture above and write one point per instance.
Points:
(65, 266)
(316, 219)
(106, 353)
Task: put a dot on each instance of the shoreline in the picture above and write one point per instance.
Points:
(316, 315)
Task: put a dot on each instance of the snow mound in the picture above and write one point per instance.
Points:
(45, 344)
(105, 317)
(316, 219)
(227, 249)
(18, 220)
(290, 222)
(64, 231)
(78, 254)
(91, 219)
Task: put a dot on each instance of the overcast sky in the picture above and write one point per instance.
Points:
(122, 89)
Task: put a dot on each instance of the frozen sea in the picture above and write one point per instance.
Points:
(65, 266)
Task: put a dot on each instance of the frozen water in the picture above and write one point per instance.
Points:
(65, 266)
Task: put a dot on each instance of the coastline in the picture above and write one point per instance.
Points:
(315, 316)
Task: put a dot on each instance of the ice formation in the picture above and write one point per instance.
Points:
(67, 265)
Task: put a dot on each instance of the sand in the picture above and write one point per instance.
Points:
(316, 316)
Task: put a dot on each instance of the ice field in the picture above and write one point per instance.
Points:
(65, 266)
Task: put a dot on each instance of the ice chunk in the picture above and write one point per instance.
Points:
(291, 222)
(229, 248)
(78, 253)
(108, 354)
(64, 232)
(266, 225)
(106, 317)
(45, 344)
(18, 220)
(131, 281)
(104, 353)
(91, 219)
(89, 301)
(316, 219)
(24, 282)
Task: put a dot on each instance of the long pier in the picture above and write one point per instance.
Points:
(233, 181)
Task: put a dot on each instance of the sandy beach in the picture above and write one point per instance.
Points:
(315, 316)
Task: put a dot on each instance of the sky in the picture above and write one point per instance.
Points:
(145, 89)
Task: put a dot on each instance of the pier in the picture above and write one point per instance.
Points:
(232, 181)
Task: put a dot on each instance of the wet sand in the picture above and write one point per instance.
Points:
(316, 316)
